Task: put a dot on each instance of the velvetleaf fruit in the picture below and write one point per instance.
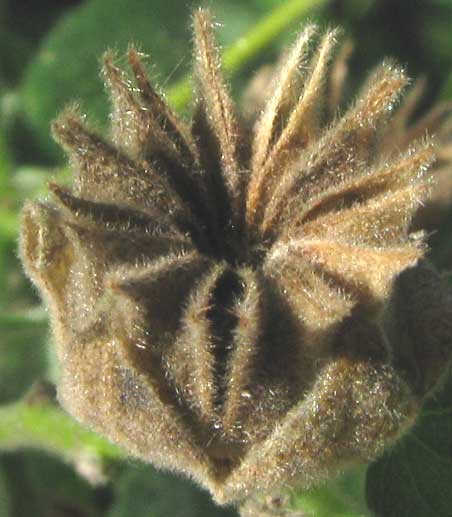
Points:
(243, 305)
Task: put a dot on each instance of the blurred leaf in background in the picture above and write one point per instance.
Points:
(74, 47)
(22, 354)
(415, 477)
(39, 485)
(142, 491)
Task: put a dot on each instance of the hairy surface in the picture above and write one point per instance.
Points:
(245, 306)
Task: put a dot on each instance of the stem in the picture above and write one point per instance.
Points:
(249, 45)
(265, 31)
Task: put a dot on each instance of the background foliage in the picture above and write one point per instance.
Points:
(49, 52)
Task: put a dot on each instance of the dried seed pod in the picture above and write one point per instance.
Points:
(395, 137)
(400, 132)
(247, 307)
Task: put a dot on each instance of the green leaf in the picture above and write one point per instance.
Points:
(415, 477)
(5, 162)
(66, 68)
(143, 491)
(22, 354)
(48, 427)
(7, 216)
(341, 497)
(5, 500)
(13, 51)
(446, 90)
(40, 485)
(6, 167)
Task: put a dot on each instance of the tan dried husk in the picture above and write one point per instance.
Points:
(404, 127)
(246, 307)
